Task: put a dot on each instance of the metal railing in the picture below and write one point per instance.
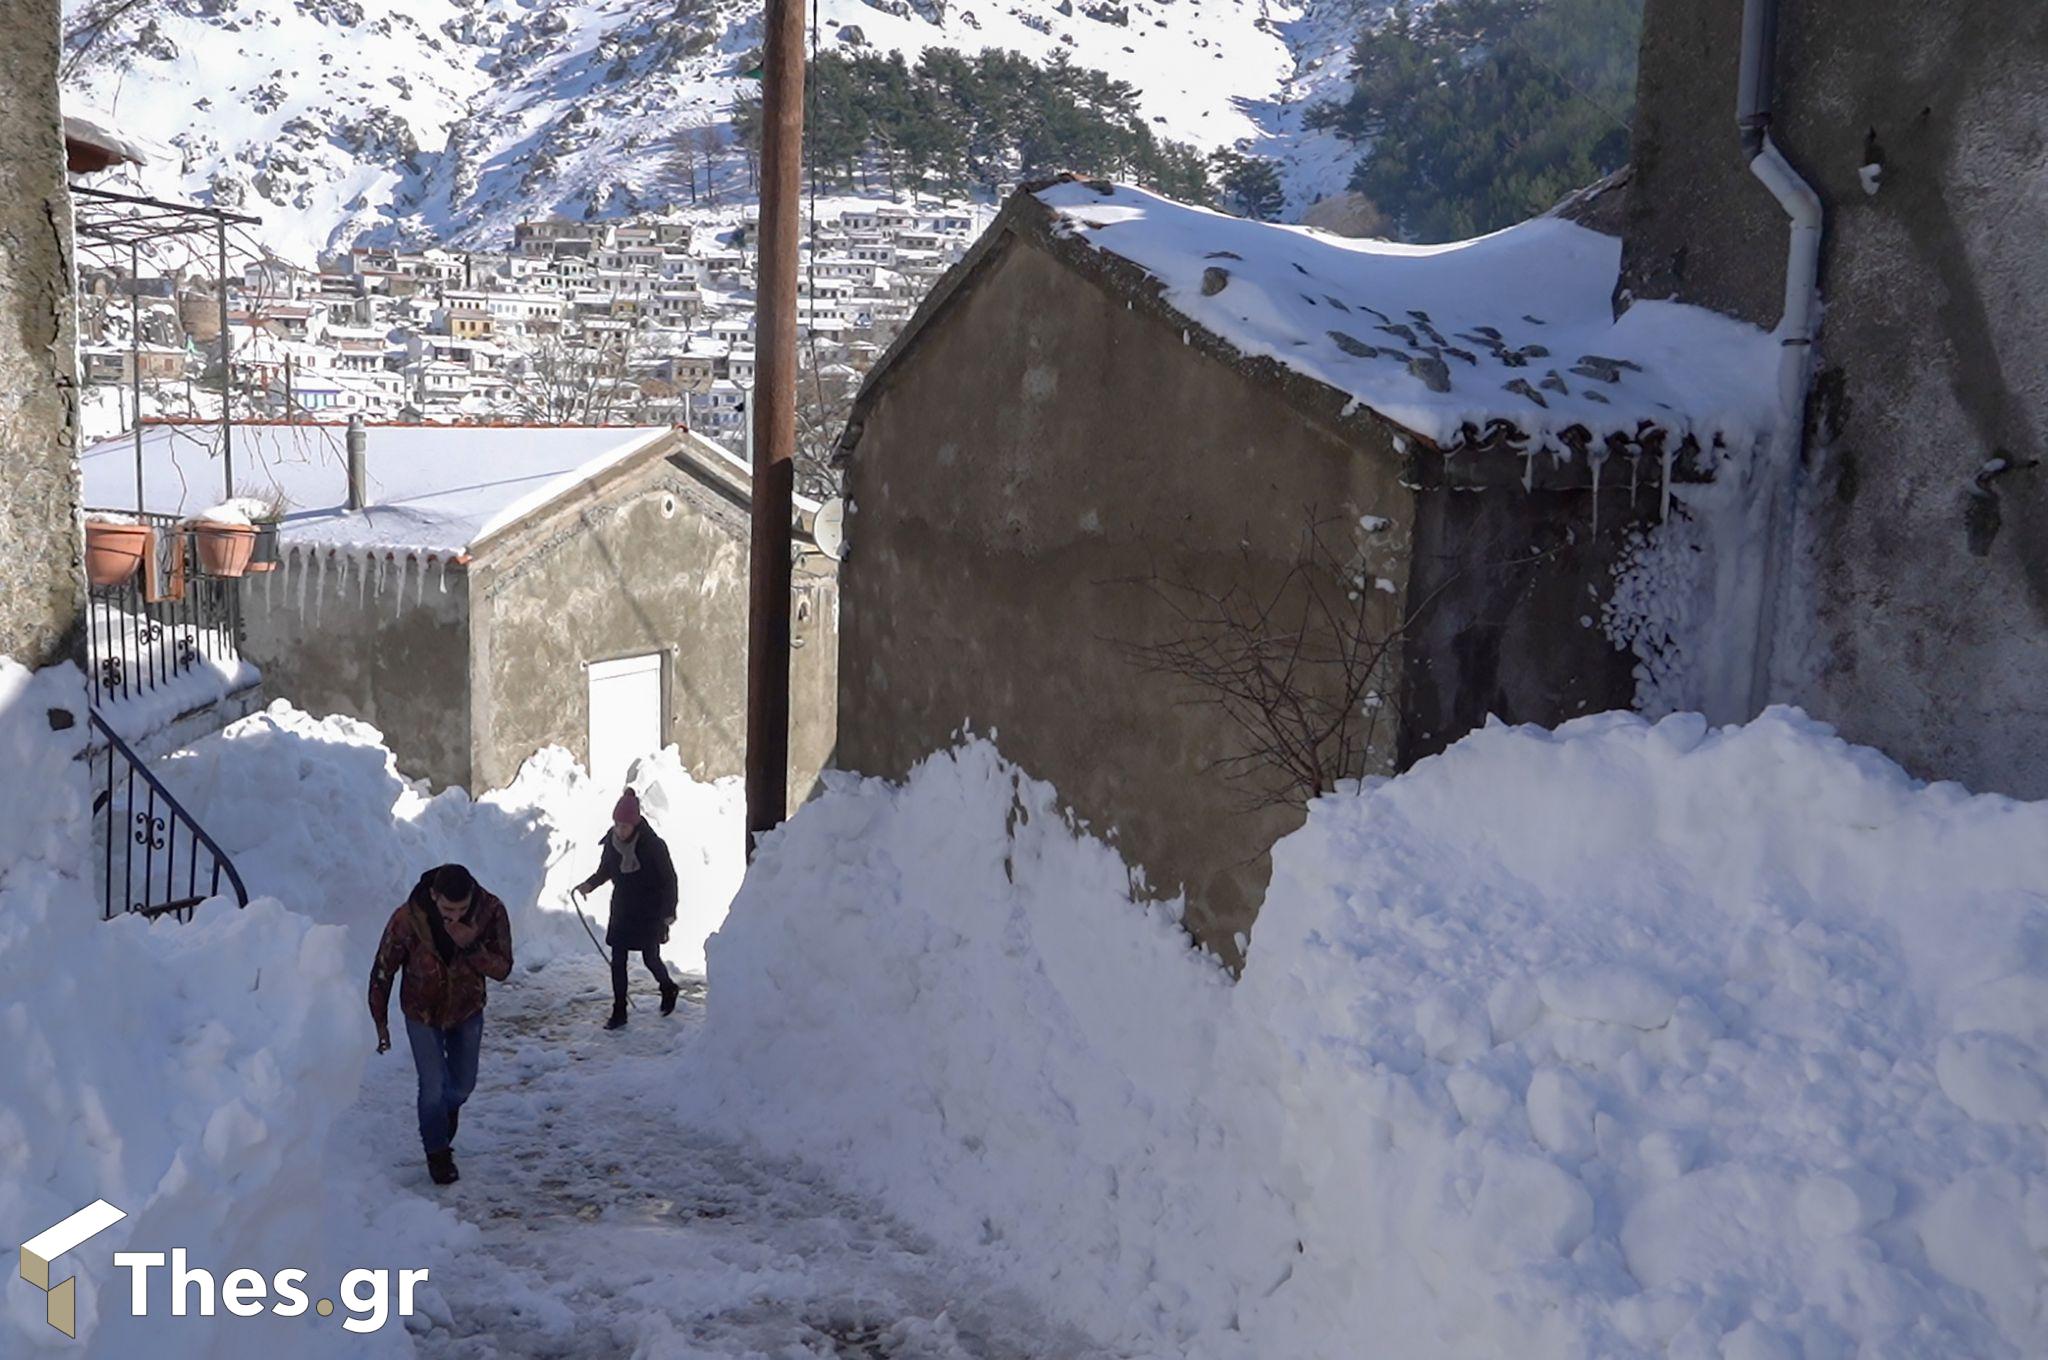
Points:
(143, 828)
(136, 646)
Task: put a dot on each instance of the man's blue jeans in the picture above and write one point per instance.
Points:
(446, 1059)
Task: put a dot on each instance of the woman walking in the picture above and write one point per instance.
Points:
(636, 863)
(448, 937)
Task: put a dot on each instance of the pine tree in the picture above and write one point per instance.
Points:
(1482, 113)
(952, 121)
(1251, 185)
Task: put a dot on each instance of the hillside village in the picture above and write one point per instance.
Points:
(637, 321)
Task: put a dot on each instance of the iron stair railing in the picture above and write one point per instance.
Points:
(149, 834)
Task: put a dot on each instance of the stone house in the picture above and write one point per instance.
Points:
(1129, 450)
(497, 589)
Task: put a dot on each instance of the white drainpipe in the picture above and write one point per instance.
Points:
(1796, 324)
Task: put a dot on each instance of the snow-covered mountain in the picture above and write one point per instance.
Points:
(336, 120)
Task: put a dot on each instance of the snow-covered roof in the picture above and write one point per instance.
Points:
(440, 488)
(93, 128)
(1516, 326)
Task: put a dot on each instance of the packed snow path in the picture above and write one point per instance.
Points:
(607, 1230)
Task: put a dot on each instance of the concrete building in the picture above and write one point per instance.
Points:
(506, 588)
(1084, 443)
(1920, 621)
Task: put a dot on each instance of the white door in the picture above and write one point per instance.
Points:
(625, 716)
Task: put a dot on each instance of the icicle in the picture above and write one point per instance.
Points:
(419, 585)
(1635, 467)
(383, 566)
(304, 572)
(1595, 460)
(1664, 507)
(266, 589)
(397, 586)
(319, 588)
(444, 576)
(362, 583)
(1529, 469)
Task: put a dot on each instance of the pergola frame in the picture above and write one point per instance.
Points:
(117, 221)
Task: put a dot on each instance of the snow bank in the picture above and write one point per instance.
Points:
(1657, 1040)
(943, 991)
(1627, 1039)
(360, 833)
(186, 1073)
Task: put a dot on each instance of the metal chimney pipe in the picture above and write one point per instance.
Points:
(357, 442)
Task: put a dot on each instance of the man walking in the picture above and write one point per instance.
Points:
(447, 938)
(636, 863)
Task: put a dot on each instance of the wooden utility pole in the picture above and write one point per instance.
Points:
(774, 419)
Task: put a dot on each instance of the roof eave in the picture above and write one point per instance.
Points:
(585, 480)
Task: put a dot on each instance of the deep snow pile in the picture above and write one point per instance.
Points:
(359, 833)
(187, 1074)
(942, 992)
(1627, 1039)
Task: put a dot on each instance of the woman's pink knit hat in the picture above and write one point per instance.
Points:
(627, 809)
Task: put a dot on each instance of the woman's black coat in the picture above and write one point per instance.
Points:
(643, 903)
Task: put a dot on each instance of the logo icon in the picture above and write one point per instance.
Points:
(46, 1246)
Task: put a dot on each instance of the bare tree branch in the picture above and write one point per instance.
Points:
(1305, 671)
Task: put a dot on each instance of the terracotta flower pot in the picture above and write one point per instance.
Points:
(224, 549)
(113, 552)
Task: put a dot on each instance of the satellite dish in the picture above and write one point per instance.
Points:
(828, 527)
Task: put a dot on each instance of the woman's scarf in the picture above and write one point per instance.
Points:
(629, 851)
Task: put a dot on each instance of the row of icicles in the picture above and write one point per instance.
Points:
(372, 571)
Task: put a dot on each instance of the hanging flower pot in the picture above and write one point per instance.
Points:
(265, 555)
(113, 552)
(224, 549)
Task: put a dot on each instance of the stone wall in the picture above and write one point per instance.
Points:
(41, 589)
(391, 649)
(1923, 626)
